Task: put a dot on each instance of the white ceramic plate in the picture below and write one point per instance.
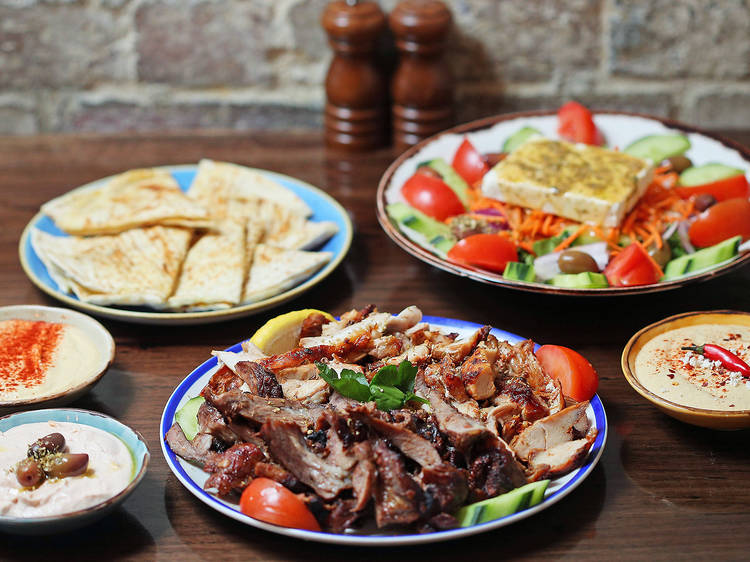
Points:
(325, 208)
(193, 477)
(488, 135)
(97, 334)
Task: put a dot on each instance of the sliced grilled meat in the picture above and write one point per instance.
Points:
(260, 380)
(279, 474)
(445, 486)
(233, 469)
(211, 421)
(520, 361)
(477, 374)
(349, 349)
(223, 380)
(493, 469)
(196, 451)
(288, 446)
(257, 409)
(398, 498)
(312, 326)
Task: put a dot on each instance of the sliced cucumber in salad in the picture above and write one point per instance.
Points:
(187, 417)
(520, 137)
(585, 280)
(658, 147)
(518, 271)
(503, 505)
(702, 259)
(437, 234)
(708, 173)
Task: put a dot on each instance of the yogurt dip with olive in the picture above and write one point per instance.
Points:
(110, 470)
(40, 359)
(690, 379)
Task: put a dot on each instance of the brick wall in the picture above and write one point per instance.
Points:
(114, 65)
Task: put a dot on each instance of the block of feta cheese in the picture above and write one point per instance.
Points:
(576, 181)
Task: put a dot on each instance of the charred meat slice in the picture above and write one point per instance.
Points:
(211, 421)
(402, 437)
(348, 349)
(445, 486)
(222, 381)
(260, 380)
(398, 498)
(288, 446)
(312, 326)
(477, 374)
(459, 350)
(493, 470)
(196, 451)
(233, 469)
(279, 474)
(257, 409)
(520, 361)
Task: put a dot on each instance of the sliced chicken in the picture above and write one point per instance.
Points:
(478, 375)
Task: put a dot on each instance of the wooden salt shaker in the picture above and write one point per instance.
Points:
(356, 107)
(422, 87)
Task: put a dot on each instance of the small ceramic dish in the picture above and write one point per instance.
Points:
(98, 337)
(713, 419)
(60, 523)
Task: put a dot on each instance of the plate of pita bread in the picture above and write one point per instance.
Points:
(186, 244)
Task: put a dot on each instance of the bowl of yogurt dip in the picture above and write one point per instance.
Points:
(49, 356)
(116, 458)
(666, 364)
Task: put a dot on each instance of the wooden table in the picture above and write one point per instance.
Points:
(663, 489)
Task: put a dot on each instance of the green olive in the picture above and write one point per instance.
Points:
(29, 473)
(573, 261)
(661, 255)
(64, 465)
(47, 445)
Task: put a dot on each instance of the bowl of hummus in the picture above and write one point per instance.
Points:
(95, 464)
(693, 367)
(49, 356)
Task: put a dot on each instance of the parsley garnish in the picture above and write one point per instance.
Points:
(391, 387)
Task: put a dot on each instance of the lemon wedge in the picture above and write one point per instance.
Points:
(281, 334)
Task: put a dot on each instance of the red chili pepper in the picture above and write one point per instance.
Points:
(726, 357)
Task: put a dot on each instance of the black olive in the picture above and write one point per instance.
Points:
(704, 201)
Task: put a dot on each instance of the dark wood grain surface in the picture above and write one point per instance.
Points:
(663, 489)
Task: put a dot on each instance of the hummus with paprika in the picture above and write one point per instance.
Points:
(690, 379)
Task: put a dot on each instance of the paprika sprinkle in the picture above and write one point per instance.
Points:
(27, 350)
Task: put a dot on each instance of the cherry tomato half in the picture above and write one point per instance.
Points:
(469, 163)
(432, 196)
(728, 188)
(269, 501)
(577, 377)
(721, 221)
(632, 266)
(488, 251)
(576, 124)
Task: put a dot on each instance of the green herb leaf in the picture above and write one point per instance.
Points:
(350, 384)
(387, 397)
(402, 377)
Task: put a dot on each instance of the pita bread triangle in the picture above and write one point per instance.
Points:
(274, 270)
(136, 267)
(130, 200)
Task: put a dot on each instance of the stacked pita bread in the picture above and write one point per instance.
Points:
(235, 237)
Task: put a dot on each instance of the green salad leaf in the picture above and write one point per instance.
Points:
(391, 387)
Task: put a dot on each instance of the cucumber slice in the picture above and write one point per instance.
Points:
(585, 280)
(187, 417)
(519, 271)
(503, 505)
(436, 235)
(658, 147)
(708, 173)
(547, 245)
(520, 137)
(702, 259)
(451, 178)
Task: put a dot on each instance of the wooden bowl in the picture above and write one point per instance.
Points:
(713, 419)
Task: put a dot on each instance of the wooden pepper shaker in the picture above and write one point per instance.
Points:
(422, 87)
(356, 107)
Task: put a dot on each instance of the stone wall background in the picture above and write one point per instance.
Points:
(121, 65)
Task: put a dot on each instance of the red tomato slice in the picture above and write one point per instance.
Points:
(576, 124)
(728, 188)
(576, 375)
(432, 196)
(269, 501)
(721, 221)
(632, 266)
(469, 163)
(488, 251)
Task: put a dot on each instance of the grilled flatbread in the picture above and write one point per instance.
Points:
(229, 190)
(213, 273)
(133, 199)
(287, 229)
(136, 267)
(274, 270)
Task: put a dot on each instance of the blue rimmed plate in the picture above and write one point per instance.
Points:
(325, 208)
(60, 523)
(193, 477)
